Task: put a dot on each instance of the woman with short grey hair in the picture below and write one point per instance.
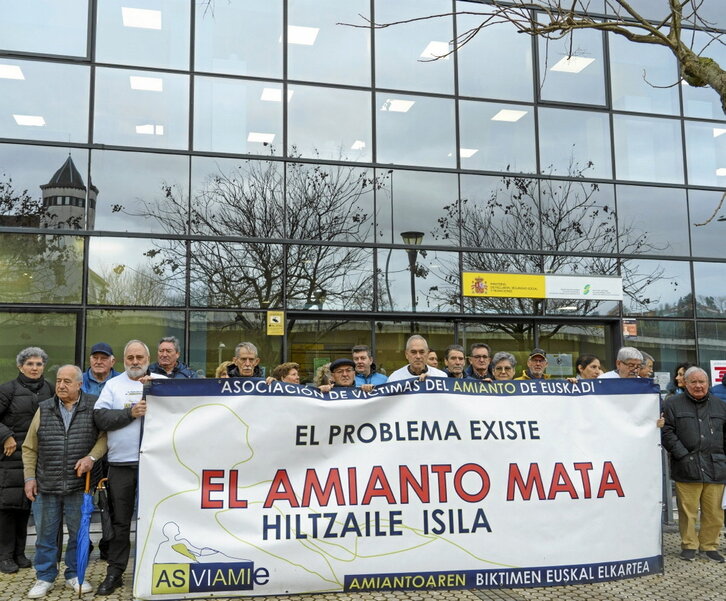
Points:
(503, 365)
(19, 400)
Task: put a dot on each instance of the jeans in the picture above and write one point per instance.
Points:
(48, 512)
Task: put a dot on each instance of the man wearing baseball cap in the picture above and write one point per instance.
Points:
(100, 371)
(536, 365)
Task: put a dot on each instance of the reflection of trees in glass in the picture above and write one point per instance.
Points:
(142, 285)
(322, 203)
(566, 217)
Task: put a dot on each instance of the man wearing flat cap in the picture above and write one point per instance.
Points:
(100, 369)
(536, 365)
(342, 372)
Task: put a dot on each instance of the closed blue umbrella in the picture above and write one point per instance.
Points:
(84, 541)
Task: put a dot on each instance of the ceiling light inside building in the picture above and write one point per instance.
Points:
(568, 308)
(11, 72)
(509, 115)
(719, 131)
(572, 64)
(721, 171)
(141, 18)
(149, 84)
(30, 120)
(149, 129)
(275, 94)
(358, 145)
(436, 50)
(262, 138)
(465, 153)
(303, 36)
(395, 105)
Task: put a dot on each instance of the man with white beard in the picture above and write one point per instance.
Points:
(117, 411)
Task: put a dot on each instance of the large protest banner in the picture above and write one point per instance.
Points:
(250, 489)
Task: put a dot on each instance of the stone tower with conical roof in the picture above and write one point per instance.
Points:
(64, 199)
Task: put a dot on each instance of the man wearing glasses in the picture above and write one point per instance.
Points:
(627, 364)
(536, 365)
(480, 356)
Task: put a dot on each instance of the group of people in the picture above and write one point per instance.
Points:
(54, 433)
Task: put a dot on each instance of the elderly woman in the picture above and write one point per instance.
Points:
(287, 372)
(503, 365)
(18, 403)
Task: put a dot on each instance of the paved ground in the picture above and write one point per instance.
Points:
(701, 580)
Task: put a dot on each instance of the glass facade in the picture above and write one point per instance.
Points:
(209, 161)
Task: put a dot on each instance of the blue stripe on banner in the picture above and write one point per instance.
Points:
(507, 577)
(257, 386)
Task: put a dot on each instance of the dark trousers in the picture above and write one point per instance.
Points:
(13, 532)
(122, 483)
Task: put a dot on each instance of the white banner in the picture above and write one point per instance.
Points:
(586, 287)
(247, 489)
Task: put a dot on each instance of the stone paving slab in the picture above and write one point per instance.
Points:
(700, 580)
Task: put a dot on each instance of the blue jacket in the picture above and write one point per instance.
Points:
(373, 378)
(91, 385)
(180, 371)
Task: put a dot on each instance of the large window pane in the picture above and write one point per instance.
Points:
(499, 262)
(657, 288)
(497, 137)
(55, 333)
(213, 335)
(31, 106)
(313, 343)
(707, 232)
(148, 33)
(710, 289)
(706, 153)
(391, 337)
(321, 48)
(141, 108)
(41, 269)
(711, 341)
(574, 340)
(670, 342)
(226, 274)
(237, 116)
(44, 187)
(140, 192)
(63, 23)
(571, 69)
(417, 201)
(642, 77)
(232, 197)
(435, 286)
(240, 38)
(331, 203)
(329, 123)
(119, 326)
(403, 140)
(136, 271)
(404, 53)
(574, 143)
(329, 277)
(651, 220)
(507, 52)
(648, 149)
(704, 101)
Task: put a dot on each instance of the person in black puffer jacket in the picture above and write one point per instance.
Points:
(19, 400)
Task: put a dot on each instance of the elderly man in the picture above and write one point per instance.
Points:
(480, 356)
(245, 363)
(167, 360)
(627, 364)
(417, 349)
(118, 411)
(695, 436)
(342, 372)
(62, 444)
(455, 361)
(646, 367)
(365, 368)
(536, 365)
(100, 370)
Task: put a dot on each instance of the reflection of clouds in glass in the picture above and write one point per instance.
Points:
(63, 24)
(657, 288)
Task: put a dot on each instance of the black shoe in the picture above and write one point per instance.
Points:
(8, 566)
(23, 562)
(688, 554)
(109, 585)
(714, 556)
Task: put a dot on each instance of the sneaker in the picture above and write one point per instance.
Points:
(688, 554)
(714, 556)
(85, 587)
(40, 589)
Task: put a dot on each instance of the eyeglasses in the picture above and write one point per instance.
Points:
(503, 368)
(479, 357)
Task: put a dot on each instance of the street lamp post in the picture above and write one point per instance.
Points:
(413, 239)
